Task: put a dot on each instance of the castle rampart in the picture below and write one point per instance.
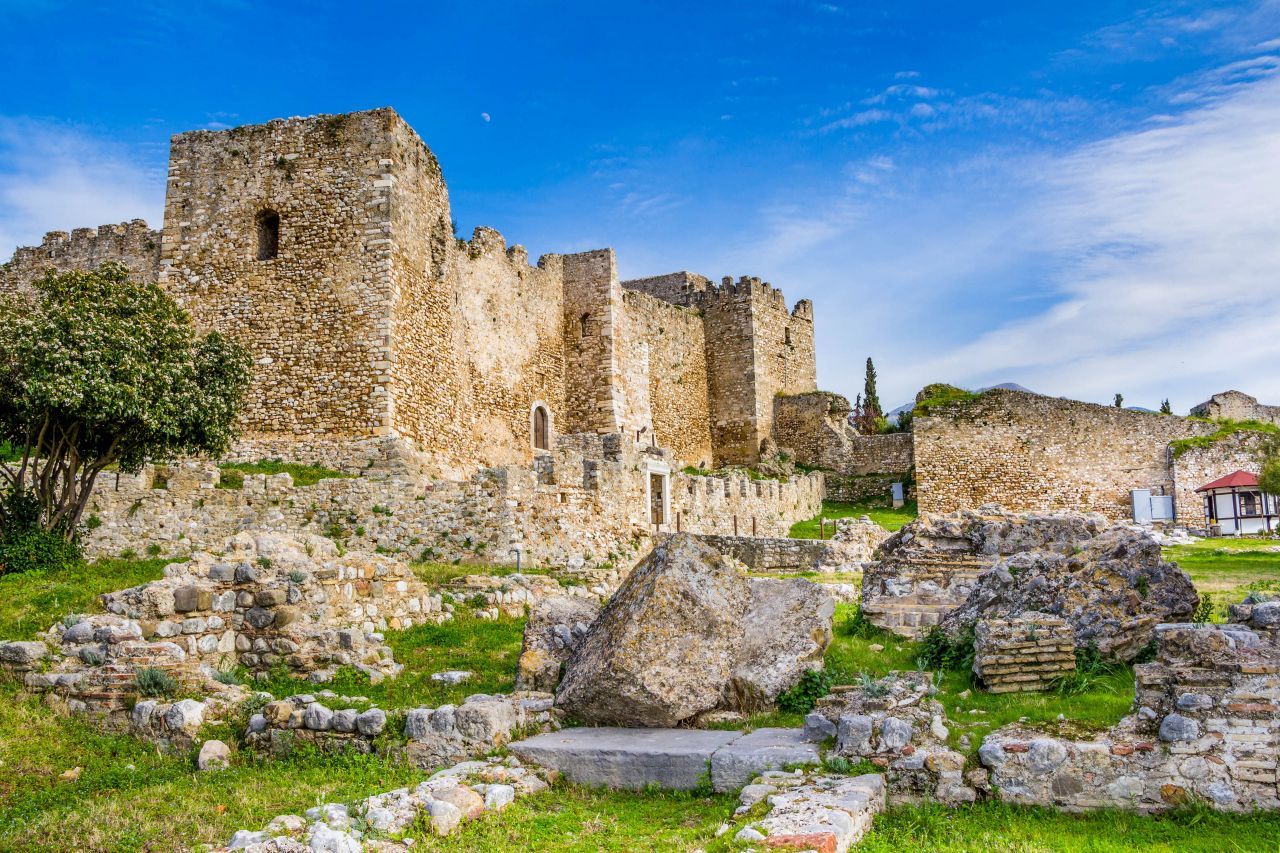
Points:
(131, 243)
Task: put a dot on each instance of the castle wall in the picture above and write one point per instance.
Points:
(130, 243)
(592, 312)
(317, 317)
(815, 427)
(1032, 453)
(670, 342)
(583, 506)
(1237, 406)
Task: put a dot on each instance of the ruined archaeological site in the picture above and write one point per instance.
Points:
(512, 553)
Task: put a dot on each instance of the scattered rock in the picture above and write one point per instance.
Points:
(214, 755)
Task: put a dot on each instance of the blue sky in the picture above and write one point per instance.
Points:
(1080, 197)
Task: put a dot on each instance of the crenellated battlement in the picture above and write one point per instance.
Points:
(132, 243)
(326, 245)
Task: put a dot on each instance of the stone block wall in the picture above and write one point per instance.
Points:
(1027, 452)
(815, 427)
(1206, 730)
(130, 243)
(585, 507)
(1237, 406)
(770, 555)
(1024, 653)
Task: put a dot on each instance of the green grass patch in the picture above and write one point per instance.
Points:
(880, 512)
(1100, 702)
(1226, 429)
(9, 453)
(1227, 570)
(129, 797)
(942, 396)
(32, 601)
(233, 473)
(443, 574)
(488, 648)
(575, 818)
(993, 826)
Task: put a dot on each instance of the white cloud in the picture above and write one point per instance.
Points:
(1171, 248)
(55, 178)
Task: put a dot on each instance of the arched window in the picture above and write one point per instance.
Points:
(268, 235)
(541, 429)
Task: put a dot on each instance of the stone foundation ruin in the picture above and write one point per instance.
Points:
(1028, 652)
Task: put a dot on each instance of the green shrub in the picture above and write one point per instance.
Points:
(939, 652)
(941, 395)
(155, 682)
(35, 550)
(812, 686)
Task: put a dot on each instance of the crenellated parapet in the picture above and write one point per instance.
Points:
(133, 243)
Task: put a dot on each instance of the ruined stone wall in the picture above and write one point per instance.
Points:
(670, 342)
(583, 506)
(131, 243)
(1197, 466)
(592, 309)
(1237, 406)
(317, 317)
(678, 288)
(1030, 453)
(815, 427)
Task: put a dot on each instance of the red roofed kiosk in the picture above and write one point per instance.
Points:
(1238, 507)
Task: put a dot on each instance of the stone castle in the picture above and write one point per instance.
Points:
(326, 244)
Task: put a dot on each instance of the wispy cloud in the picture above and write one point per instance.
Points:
(55, 177)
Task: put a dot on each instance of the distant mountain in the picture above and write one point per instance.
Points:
(892, 417)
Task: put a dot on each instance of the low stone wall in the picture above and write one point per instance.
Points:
(770, 555)
(1206, 729)
(586, 506)
(447, 799)
(1024, 653)
(857, 488)
(432, 736)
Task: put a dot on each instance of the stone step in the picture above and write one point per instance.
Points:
(678, 759)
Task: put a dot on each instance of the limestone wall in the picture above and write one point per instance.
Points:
(131, 243)
(1237, 406)
(1032, 453)
(585, 506)
(815, 427)
(316, 317)
(669, 341)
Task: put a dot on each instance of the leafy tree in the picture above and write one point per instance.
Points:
(98, 370)
(1269, 480)
(1119, 401)
(1165, 408)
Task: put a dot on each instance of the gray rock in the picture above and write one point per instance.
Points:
(1045, 755)
(893, 734)
(486, 722)
(739, 761)
(81, 632)
(627, 758)
(1266, 615)
(214, 755)
(666, 643)
(371, 722)
(257, 724)
(787, 629)
(24, 654)
(853, 734)
(317, 717)
(1176, 727)
(1195, 702)
(186, 715)
(417, 723)
(344, 720)
(818, 727)
(259, 618)
(451, 676)
(549, 641)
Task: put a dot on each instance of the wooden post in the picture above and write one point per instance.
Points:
(753, 526)
(822, 528)
(735, 525)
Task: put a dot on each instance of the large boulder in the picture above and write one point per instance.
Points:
(787, 631)
(555, 628)
(1113, 589)
(665, 644)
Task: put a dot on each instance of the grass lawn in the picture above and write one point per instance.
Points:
(489, 649)
(303, 475)
(32, 601)
(880, 512)
(1229, 569)
(129, 797)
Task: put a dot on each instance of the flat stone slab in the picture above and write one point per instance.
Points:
(739, 761)
(677, 759)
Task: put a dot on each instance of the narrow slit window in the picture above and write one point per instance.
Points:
(268, 235)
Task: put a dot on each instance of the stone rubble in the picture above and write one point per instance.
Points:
(447, 799)
(555, 627)
(1028, 652)
(812, 811)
